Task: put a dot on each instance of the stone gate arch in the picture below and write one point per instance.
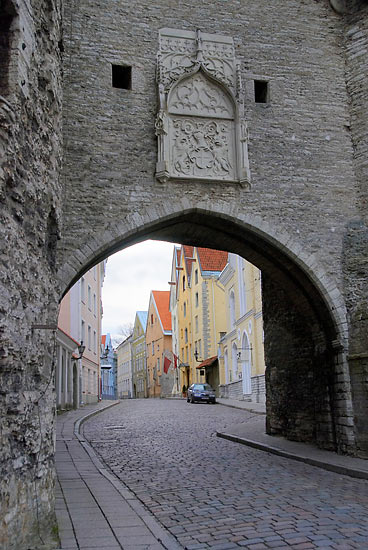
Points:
(303, 376)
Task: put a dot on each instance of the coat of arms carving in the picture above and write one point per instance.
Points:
(201, 132)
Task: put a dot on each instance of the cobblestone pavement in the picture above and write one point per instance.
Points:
(213, 493)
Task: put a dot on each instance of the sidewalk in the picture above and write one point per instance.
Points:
(253, 434)
(95, 511)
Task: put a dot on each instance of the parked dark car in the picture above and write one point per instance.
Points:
(201, 392)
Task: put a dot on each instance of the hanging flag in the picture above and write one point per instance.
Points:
(175, 361)
(167, 364)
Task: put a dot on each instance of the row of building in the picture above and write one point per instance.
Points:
(207, 328)
(85, 362)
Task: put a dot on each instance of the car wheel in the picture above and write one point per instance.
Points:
(187, 399)
(192, 400)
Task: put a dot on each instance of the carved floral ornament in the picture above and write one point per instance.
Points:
(202, 135)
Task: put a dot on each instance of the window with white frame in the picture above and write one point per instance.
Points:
(94, 342)
(94, 304)
(89, 298)
(83, 331)
(89, 337)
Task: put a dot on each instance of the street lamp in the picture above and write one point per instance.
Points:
(81, 349)
(196, 357)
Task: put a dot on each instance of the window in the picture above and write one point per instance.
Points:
(94, 304)
(158, 364)
(196, 299)
(196, 323)
(121, 77)
(89, 337)
(94, 342)
(186, 335)
(153, 348)
(83, 331)
(183, 283)
(89, 298)
(185, 309)
(83, 289)
(182, 354)
(94, 272)
(261, 91)
(151, 318)
(196, 276)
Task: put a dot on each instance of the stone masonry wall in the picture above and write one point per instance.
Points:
(30, 153)
(355, 244)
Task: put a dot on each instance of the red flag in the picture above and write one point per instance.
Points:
(167, 364)
(175, 361)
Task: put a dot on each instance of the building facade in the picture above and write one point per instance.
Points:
(138, 345)
(124, 369)
(200, 313)
(241, 353)
(78, 381)
(160, 382)
(108, 368)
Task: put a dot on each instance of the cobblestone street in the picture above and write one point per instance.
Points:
(212, 493)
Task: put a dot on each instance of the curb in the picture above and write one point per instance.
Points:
(242, 408)
(344, 470)
(160, 533)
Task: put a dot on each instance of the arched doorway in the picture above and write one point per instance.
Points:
(297, 301)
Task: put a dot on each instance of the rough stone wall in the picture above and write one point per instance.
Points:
(300, 375)
(30, 151)
(355, 244)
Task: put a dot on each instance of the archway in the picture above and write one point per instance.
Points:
(298, 300)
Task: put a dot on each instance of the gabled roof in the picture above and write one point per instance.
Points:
(142, 316)
(178, 255)
(211, 259)
(162, 301)
(188, 255)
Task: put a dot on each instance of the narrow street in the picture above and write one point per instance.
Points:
(212, 493)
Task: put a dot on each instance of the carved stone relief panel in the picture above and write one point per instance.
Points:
(200, 127)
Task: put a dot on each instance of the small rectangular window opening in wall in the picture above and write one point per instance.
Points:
(261, 91)
(121, 77)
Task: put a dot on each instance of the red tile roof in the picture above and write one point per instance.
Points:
(162, 300)
(211, 259)
(208, 362)
(103, 339)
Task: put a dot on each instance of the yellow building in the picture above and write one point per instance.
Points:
(241, 354)
(200, 313)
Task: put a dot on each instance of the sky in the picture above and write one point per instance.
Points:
(130, 276)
